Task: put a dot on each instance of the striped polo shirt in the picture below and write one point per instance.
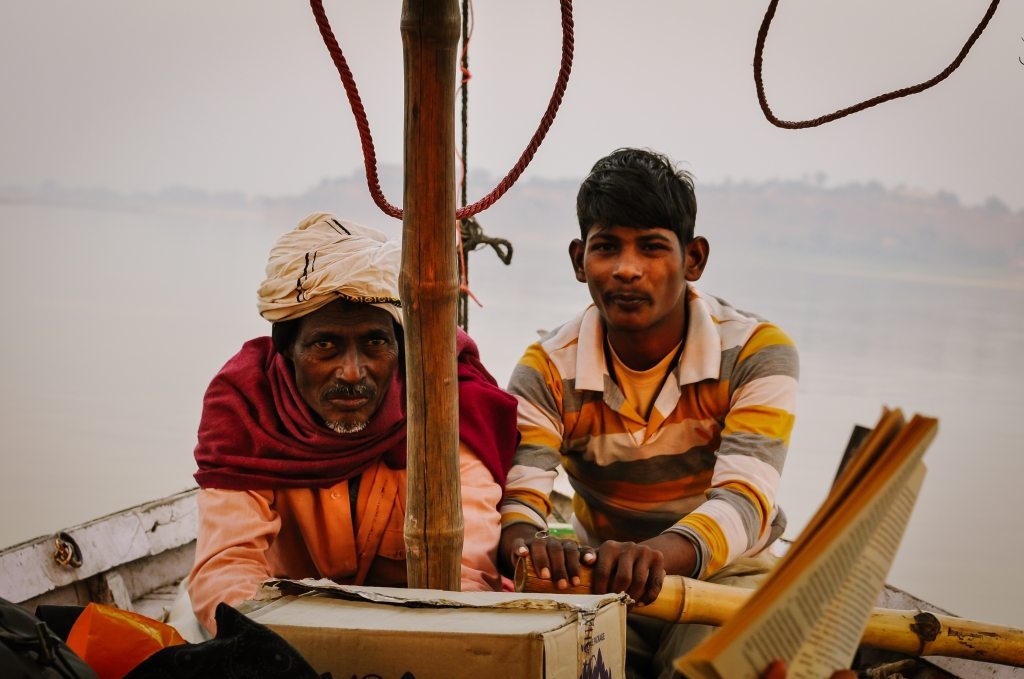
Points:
(706, 462)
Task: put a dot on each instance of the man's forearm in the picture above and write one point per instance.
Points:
(527, 496)
(679, 553)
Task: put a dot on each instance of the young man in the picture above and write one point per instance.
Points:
(302, 440)
(669, 410)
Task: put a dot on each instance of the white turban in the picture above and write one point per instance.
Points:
(324, 259)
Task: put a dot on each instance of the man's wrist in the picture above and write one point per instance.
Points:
(682, 556)
(524, 522)
(698, 559)
(514, 512)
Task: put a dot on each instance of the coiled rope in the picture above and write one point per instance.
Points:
(366, 139)
(762, 34)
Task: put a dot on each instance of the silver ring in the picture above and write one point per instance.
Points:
(541, 535)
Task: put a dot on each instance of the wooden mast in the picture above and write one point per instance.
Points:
(429, 290)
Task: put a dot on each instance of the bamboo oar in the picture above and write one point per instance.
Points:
(909, 632)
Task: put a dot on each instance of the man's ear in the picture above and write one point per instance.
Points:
(576, 249)
(289, 352)
(283, 334)
(695, 257)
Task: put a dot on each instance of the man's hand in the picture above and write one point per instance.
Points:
(639, 569)
(636, 569)
(777, 670)
(553, 559)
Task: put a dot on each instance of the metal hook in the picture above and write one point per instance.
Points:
(67, 552)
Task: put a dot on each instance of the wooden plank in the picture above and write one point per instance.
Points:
(170, 524)
(109, 589)
(145, 579)
(144, 576)
(157, 603)
(28, 569)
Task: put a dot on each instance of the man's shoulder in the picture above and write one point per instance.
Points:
(736, 327)
(561, 345)
(564, 336)
(555, 353)
(724, 312)
(254, 356)
(262, 345)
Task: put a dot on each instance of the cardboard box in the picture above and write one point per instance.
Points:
(358, 632)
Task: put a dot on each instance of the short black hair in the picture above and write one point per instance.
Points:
(283, 335)
(637, 188)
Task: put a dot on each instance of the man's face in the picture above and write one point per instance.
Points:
(345, 356)
(637, 276)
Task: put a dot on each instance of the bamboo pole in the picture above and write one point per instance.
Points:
(429, 289)
(686, 600)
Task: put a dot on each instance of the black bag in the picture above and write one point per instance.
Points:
(30, 650)
(242, 649)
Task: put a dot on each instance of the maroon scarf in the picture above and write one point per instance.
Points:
(256, 432)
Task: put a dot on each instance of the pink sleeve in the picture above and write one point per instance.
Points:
(235, 529)
(480, 497)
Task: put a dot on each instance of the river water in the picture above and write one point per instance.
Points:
(115, 321)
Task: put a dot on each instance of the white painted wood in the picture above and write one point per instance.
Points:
(28, 570)
(157, 603)
(143, 578)
(150, 573)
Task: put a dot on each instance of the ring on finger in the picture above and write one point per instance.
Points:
(541, 535)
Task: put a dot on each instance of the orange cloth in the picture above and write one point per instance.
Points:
(113, 642)
(246, 537)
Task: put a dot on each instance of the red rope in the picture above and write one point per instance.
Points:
(762, 34)
(370, 155)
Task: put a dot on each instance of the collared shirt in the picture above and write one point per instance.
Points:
(706, 462)
(248, 536)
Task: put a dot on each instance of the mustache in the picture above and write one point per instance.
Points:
(346, 390)
(617, 294)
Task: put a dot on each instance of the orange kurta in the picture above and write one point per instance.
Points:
(246, 537)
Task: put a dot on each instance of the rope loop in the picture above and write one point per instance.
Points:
(473, 237)
(762, 34)
(366, 139)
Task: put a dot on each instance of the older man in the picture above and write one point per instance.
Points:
(301, 448)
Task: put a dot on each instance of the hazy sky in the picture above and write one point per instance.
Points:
(241, 96)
